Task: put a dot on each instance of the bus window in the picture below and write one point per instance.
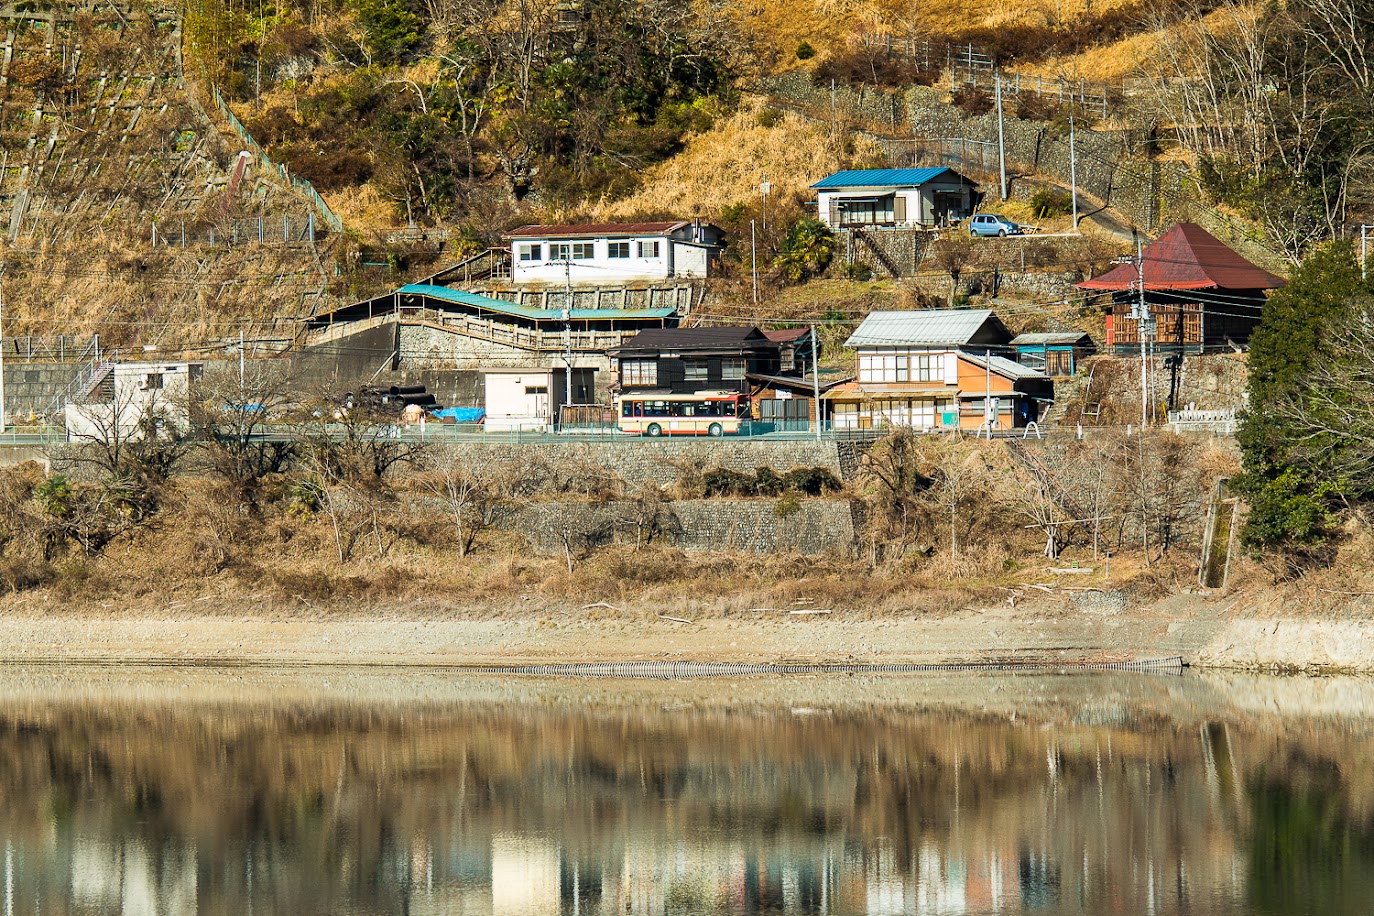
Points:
(625, 408)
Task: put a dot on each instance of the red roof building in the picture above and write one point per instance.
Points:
(1201, 294)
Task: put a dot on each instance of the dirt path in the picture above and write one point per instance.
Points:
(1209, 632)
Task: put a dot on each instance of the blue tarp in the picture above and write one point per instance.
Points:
(462, 414)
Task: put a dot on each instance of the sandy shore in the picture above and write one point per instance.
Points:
(1206, 632)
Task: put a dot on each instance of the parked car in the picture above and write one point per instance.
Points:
(991, 224)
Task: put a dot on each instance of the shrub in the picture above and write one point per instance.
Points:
(859, 272)
(805, 51)
(806, 249)
(1048, 203)
(725, 482)
(972, 101)
(770, 118)
(811, 481)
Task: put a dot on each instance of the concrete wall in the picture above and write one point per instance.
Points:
(640, 461)
(759, 526)
(31, 387)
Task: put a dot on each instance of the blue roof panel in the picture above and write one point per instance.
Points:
(525, 311)
(880, 178)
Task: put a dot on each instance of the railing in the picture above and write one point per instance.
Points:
(300, 185)
(524, 338)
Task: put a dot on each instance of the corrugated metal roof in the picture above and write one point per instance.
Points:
(595, 230)
(1187, 257)
(1061, 338)
(881, 178)
(1004, 367)
(924, 328)
(525, 311)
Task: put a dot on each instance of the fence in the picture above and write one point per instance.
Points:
(300, 185)
(969, 65)
(283, 229)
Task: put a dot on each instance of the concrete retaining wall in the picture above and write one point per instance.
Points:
(812, 527)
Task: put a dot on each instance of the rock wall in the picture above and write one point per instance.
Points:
(810, 527)
(640, 461)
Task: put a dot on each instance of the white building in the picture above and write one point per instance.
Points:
(116, 398)
(605, 254)
(894, 198)
(531, 399)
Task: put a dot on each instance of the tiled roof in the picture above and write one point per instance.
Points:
(1187, 257)
(787, 335)
(881, 178)
(928, 328)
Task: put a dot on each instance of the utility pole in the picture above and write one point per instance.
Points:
(834, 112)
(241, 361)
(1073, 173)
(1001, 134)
(764, 188)
(988, 416)
(1140, 324)
(816, 377)
(567, 333)
(2, 349)
(1364, 251)
(754, 259)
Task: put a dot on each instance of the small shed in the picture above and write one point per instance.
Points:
(1055, 353)
(894, 198)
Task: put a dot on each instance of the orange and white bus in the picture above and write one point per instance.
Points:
(706, 413)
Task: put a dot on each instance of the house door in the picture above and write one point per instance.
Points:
(899, 209)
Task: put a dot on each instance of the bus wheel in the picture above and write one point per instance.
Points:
(654, 430)
(715, 430)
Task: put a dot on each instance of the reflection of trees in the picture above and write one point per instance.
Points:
(1307, 853)
(326, 804)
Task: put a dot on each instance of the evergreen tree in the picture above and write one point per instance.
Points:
(1294, 490)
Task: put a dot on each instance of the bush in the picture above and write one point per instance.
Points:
(1048, 203)
(805, 51)
(811, 481)
(859, 272)
(806, 249)
(972, 101)
(770, 118)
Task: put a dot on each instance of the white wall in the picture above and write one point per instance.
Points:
(138, 387)
(691, 260)
(511, 405)
(600, 270)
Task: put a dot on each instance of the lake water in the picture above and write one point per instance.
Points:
(358, 792)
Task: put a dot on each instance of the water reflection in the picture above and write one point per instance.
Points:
(216, 792)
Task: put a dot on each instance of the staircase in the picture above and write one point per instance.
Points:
(1217, 538)
(877, 251)
(492, 264)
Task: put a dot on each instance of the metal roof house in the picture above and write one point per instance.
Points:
(934, 369)
(608, 253)
(1200, 294)
(1055, 353)
(894, 198)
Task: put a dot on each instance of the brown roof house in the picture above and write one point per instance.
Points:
(1199, 293)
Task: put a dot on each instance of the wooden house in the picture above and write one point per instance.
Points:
(936, 369)
(1055, 353)
(690, 360)
(1200, 295)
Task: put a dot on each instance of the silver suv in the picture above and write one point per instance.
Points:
(991, 224)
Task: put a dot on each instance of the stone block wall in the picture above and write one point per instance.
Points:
(31, 387)
(759, 526)
(662, 462)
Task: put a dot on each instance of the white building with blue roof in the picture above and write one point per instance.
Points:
(894, 198)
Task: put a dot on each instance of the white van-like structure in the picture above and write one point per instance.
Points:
(608, 254)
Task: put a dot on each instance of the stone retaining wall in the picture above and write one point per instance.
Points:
(640, 461)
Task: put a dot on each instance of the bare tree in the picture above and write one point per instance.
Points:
(233, 416)
(476, 496)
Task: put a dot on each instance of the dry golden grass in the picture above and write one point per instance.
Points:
(726, 164)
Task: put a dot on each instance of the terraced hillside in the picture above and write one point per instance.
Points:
(124, 208)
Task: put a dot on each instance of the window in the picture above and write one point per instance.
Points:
(639, 372)
(648, 249)
(618, 250)
(536, 389)
(732, 370)
(572, 251)
(695, 370)
(529, 253)
(927, 367)
(882, 367)
(153, 381)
